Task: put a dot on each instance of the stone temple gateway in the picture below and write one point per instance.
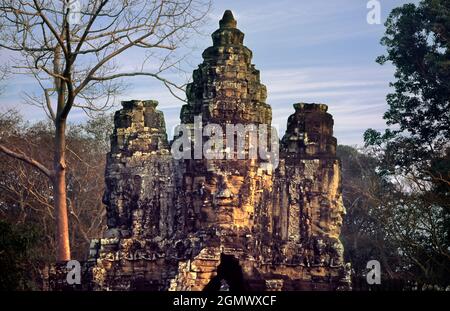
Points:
(217, 224)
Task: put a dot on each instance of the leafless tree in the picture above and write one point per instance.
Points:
(399, 220)
(26, 198)
(72, 47)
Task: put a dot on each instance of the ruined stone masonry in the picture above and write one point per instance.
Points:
(218, 224)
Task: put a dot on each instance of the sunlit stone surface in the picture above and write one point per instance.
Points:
(231, 224)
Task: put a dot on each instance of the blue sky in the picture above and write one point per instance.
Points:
(307, 51)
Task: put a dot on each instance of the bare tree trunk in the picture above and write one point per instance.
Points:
(60, 199)
(82, 57)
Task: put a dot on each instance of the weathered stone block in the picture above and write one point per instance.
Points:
(234, 223)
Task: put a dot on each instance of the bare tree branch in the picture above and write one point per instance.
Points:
(166, 82)
(74, 56)
(23, 157)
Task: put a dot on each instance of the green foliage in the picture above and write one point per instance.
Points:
(417, 43)
(17, 252)
(363, 232)
(395, 222)
(414, 153)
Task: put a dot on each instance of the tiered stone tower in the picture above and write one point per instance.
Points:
(139, 160)
(239, 223)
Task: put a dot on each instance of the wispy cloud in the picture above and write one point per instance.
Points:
(312, 51)
(355, 95)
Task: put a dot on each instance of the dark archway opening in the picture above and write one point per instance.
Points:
(229, 276)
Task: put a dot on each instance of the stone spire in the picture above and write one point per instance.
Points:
(134, 190)
(228, 34)
(227, 20)
(194, 224)
(226, 86)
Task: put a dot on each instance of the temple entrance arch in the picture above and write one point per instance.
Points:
(229, 276)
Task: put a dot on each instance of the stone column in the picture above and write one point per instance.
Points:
(139, 174)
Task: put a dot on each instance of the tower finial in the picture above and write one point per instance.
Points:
(227, 20)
